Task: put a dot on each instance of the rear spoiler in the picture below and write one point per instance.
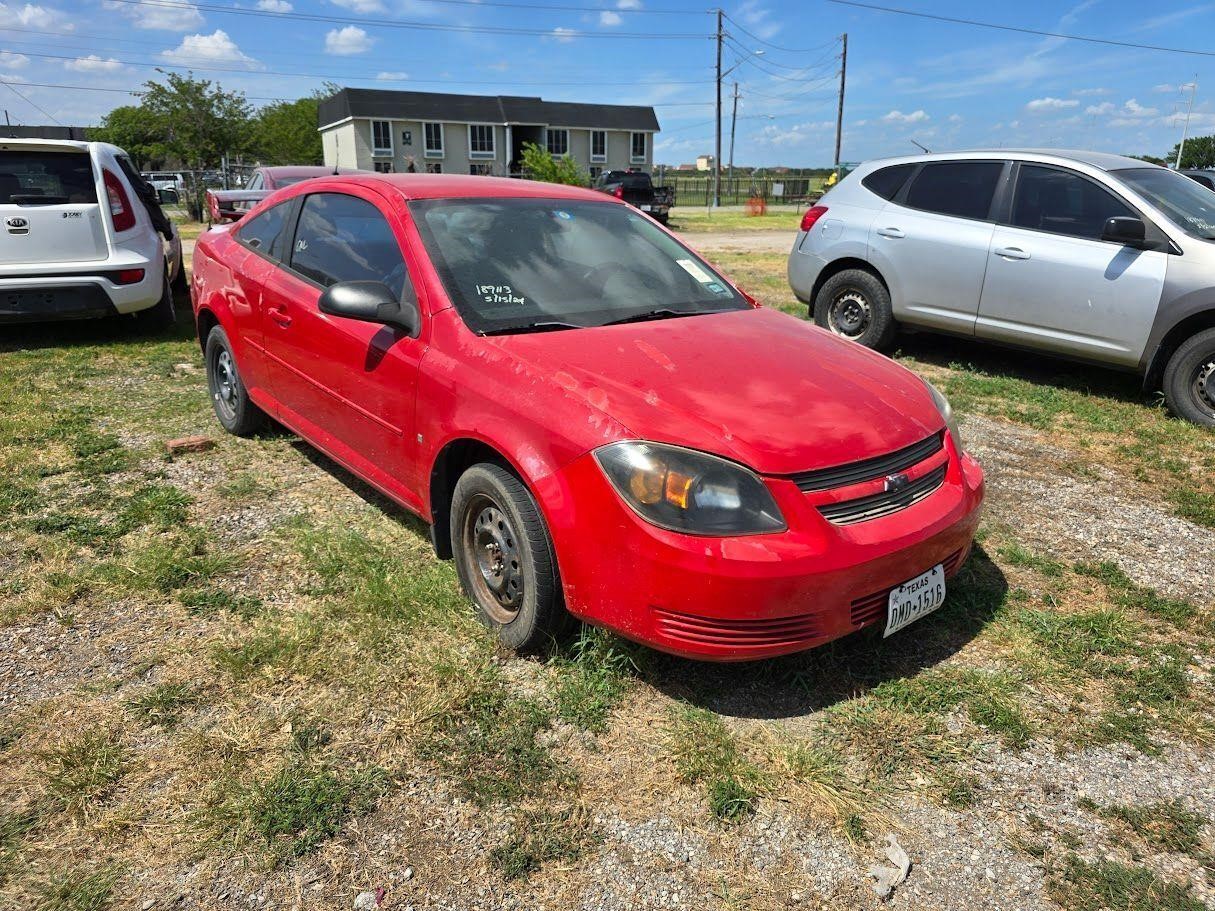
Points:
(231, 205)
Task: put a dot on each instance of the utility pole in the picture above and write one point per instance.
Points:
(721, 35)
(733, 121)
(1186, 128)
(839, 117)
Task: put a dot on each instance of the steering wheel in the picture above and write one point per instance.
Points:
(600, 275)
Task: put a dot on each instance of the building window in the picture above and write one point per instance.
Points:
(595, 172)
(558, 141)
(383, 167)
(381, 137)
(482, 168)
(434, 139)
(598, 145)
(637, 148)
(434, 167)
(481, 141)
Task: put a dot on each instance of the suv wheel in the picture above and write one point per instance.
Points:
(230, 399)
(161, 315)
(505, 559)
(1189, 379)
(854, 304)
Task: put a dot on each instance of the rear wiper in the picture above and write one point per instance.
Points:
(28, 199)
(660, 313)
(539, 326)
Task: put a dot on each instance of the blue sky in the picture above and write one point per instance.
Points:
(943, 85)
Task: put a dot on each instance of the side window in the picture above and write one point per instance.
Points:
(261, 231)
(342, 238)
(886, 182)
(1061, 202)
(255, 182)
(961, 188)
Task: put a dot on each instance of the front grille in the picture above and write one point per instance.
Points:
(869, 608)
(862, 509)
(714, 631)
(869, 469)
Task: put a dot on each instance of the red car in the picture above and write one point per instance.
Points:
(591, 418)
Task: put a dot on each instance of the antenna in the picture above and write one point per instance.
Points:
(922, 148)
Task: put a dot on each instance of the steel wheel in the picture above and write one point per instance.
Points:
(491, 544)
(1203, 384)
(849, 314)
(224, 387)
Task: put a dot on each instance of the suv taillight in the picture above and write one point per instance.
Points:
(121, 212)
(812, 215)
(619, 192)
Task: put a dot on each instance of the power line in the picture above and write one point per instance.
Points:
(1023, 30)
(791, 50)
(45, 112)
(828, 60)
(560, 33)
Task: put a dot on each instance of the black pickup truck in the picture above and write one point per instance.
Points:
(636, 188)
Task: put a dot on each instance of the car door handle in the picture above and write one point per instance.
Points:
(1012, 253)
(279, 315)
(890, 232)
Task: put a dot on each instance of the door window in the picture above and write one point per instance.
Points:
(342, 238)
(255, 183)
(961, 188)
(1048, 199)
(262, 230)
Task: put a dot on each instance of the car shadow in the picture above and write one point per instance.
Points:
(1033, 367)
(811, 681)
(113, 330)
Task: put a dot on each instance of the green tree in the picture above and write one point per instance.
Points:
(538, 164)
(200, 121)
(285, 132)
(130, 128)
(1199, 152)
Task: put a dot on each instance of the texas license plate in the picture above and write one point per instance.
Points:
(644, 208)
(915, 598)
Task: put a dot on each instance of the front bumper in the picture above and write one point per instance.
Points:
(742, 598)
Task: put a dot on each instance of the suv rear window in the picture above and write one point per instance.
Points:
(50, 178)
(636, 182)
(886, 182)
(961, 188)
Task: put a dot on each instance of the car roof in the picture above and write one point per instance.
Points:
(1103, 161)
(468, 186)
(305, 170)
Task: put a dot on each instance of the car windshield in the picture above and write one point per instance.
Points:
(529, 264)
(1186, 203)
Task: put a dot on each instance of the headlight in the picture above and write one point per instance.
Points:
(946, 410)
(689, 491)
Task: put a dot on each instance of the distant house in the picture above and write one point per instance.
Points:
(381, 130)
(686, 167)
(704, 162)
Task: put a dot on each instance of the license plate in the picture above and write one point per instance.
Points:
(644, 208)
(914, 599)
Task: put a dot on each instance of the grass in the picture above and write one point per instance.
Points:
(592, 679)
(705, 753)
(1166, 826)
(75, 890)
(80, 772)
(695, 220)
(1109, 886)
(164, 703)
(539, 837)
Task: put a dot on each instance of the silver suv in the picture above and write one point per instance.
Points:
(1094, 257)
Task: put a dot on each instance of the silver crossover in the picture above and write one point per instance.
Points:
(1094, 257)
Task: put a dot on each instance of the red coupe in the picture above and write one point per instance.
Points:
(592, 419)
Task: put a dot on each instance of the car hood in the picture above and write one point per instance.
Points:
(757, 386)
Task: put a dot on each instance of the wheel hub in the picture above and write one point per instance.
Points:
(1204, 384)
(850, 314)
(495, 549)
(225, 381)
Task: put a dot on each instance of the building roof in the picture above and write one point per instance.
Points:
(512, 109)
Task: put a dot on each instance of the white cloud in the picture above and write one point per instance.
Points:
(562, 34)
(956, 118)
(275, 6)
(164, 16)
(391, 76)
(1134, 109)
(800, 134)
(1051, 104)
(758, 19)
(12, 77)
(32, 16)
(1164, 88)
(214, 48)
(1086, 92)
(13, 61)
(94, 64)
(347, 41)
(1100, 110)
(899, 117)
(361, 6)
(628, 4)
(607, 17)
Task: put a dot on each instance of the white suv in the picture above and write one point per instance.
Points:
(82, 235)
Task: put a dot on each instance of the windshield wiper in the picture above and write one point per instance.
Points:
(660, 313)
(34, 199)
(539, 326)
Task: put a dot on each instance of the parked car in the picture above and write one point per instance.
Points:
(278, 176)
(170, 186)
(593, 421)
(1093, 257)
(83, 236)
(637, 189)
(1204, 176)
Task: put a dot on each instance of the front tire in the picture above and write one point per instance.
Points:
(854, 304)
(1189, 379)
(505, 559)
(233, 407)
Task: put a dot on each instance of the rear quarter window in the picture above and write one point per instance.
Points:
(886, 182)
(32, 177)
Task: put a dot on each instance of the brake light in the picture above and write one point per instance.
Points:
(812, 215)
(121, 212)
(619, 192)
(127, 276)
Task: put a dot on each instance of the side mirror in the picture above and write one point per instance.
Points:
(371, 302)
(1125, 230)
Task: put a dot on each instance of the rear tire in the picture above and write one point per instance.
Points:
(854, 304)
(505, 559)
(235, 410)
(161, 315)
(1189, 379)
(181, 282)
